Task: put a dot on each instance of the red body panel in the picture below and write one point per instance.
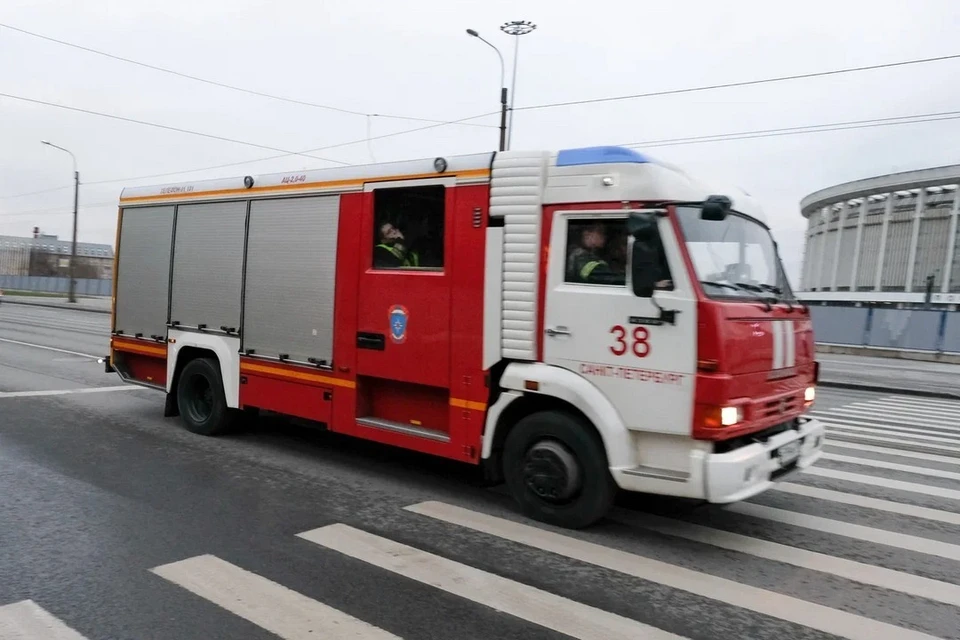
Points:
(433, 376)
(140, 360)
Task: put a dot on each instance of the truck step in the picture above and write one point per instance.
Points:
(658, 473)
(408, 429)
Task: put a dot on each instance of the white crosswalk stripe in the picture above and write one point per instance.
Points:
(26, 620)
(889, 566)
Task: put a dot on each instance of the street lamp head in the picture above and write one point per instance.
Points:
(473, 32)
(518, 27)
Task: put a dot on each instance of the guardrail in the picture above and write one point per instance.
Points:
(896, 329)
(52, 284)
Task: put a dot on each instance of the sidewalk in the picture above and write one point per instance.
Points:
(95, 305)
(933, 379)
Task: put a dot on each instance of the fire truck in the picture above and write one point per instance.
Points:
(576, 321)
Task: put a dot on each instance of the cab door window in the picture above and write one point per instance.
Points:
(596, 252)
(409, 228)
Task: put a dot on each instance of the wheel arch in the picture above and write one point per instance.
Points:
(186, 346)
(557, 389)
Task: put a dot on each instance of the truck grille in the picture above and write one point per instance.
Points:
(780, 406)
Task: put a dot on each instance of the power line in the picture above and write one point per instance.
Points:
(223, 85)
(166, 127)
(744, 83)
(36, 193)
(815, 128)
(284, 155)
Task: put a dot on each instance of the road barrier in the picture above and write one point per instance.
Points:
(895, 329)
(52, 284)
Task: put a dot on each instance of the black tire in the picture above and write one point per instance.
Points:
(538, 452)
(203, 407)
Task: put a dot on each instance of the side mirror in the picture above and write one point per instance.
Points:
(645, 259)
(715, 208)
(642, 225)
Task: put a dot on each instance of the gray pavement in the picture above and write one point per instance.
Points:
(935, 379)
(120, 524)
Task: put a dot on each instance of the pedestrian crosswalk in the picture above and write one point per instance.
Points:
(865, 545)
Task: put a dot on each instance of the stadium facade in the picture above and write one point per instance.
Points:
(887, 240)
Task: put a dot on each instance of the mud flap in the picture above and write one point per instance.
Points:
(170, 407)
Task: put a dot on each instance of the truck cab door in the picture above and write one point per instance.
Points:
(595, 326)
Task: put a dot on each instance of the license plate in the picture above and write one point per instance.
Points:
(789, 452)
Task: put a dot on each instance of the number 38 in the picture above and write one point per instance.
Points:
(639, 344)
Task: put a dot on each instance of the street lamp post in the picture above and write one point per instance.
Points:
(503, 89)
(72, 295)
(516, 29)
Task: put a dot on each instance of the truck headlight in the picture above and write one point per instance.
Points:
(809, 394)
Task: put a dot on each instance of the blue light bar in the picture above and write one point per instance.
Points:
(599, 155)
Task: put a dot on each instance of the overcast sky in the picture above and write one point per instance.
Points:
(414, 59)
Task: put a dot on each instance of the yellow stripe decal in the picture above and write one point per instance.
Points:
(139, 348)
(280, 188)
(296, 375)
(468, 404)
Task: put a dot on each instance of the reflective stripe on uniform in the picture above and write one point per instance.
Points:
(588, 268)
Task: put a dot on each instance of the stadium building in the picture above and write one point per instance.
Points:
(884, 241)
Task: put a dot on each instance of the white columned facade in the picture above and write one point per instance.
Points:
(887, 212)
(951, 242)
(915, 239)
(861, 218)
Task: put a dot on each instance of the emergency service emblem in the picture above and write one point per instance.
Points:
(398, 316)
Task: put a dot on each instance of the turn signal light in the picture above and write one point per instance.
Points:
(717, 417)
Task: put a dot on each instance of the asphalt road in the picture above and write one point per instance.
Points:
(117, 524)
(913, 375)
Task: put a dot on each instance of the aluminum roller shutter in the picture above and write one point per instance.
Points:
(291, 271)
(143, 271)
(208, 265)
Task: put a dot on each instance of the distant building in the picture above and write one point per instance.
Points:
(46, 255)
(884, 240)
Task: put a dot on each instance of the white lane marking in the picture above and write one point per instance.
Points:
(271, 606)
(815, 561)
(877, 481)
(64, 392)
(855, 500)
(925, 402)
(847, 530)
(565, 616)
(26, 620)
(903, 432)
(898, 441)
(897, 408)
(930, 457)
(46, 348)
(893, 421)
(771, 603)
(893, 466)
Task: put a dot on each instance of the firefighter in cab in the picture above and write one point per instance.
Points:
(390, 252)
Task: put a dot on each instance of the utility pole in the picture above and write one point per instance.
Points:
(72, 295)
(516, 29)
(503, 89)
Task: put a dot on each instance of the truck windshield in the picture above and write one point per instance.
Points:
(734, 257)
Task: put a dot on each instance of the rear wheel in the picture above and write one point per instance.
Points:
(203, 407)
(556, 469)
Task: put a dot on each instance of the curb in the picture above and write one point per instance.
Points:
(925, 393)
(48, 305)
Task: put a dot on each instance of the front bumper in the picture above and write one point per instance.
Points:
(749, 470)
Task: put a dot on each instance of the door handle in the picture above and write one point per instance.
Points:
(557, 331)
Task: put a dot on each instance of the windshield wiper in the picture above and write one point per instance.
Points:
(741, 286)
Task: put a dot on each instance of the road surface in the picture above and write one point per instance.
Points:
(910, 375)
(116, 523)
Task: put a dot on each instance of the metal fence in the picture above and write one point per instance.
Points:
(906, 329)
(54, 284)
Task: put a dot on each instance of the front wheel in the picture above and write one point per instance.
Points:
(203, 407)
(556, 469)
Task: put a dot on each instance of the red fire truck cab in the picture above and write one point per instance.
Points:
(576, 321)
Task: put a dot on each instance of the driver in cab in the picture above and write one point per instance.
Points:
(587, 263)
